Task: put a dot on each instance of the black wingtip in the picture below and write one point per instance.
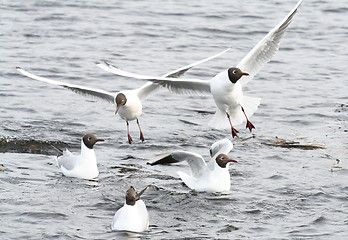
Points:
(60, 151)
(105, 63)
(162, 159)
(18, 68)
(108, 64)
(97, 62)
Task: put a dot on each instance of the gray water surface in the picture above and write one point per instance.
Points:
(276, 192)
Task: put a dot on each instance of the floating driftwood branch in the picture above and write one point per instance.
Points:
(292, 144)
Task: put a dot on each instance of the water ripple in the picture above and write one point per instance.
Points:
(276, 192)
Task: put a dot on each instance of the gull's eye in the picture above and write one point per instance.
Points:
(89, 138)
(234, 71)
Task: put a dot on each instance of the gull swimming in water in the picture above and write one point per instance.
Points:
(226, 86)
(128, 102)
(133, 216)
(83, 165)
(213, 176)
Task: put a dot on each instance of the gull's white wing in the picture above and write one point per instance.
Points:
(222, 146)
(148, 88)
(177, 85)
(113, 69)
(185, 86)
(173, 74)
(67, 161)
(196, 161)
(265, 49)
(142, 92)
(180, 71)
(104, 95)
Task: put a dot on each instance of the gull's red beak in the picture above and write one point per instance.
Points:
(231, 160)
(245, 74)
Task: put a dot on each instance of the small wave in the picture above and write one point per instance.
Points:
(228, 228)
(277, 177)
(320, 219)
(56, 17)
(253, 211)
(188, 122)
(162, 177)
(336, 10)
(44, 215)
(30, 35)
(249, 16)
(213, 30)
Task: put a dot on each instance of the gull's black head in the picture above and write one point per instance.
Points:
(234, 74)
(131, 196)
(222, 160)
(121, 100)
(90, 139)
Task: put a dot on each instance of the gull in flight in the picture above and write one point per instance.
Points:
(128, 102)
(233, 108)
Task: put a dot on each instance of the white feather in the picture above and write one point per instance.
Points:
(265, 49)
(131, 218)
(82, 166)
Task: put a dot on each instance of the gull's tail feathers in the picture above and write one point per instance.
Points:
(187, 179)
(250, 105)
(220, 120)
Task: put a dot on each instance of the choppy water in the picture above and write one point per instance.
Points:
(276, 193)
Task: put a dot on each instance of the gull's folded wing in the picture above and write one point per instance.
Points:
(196, 161)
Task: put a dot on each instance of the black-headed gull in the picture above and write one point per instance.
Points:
(226, 86)
(83, 165)
(133, 216)
(128, 102)
(205, 177)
